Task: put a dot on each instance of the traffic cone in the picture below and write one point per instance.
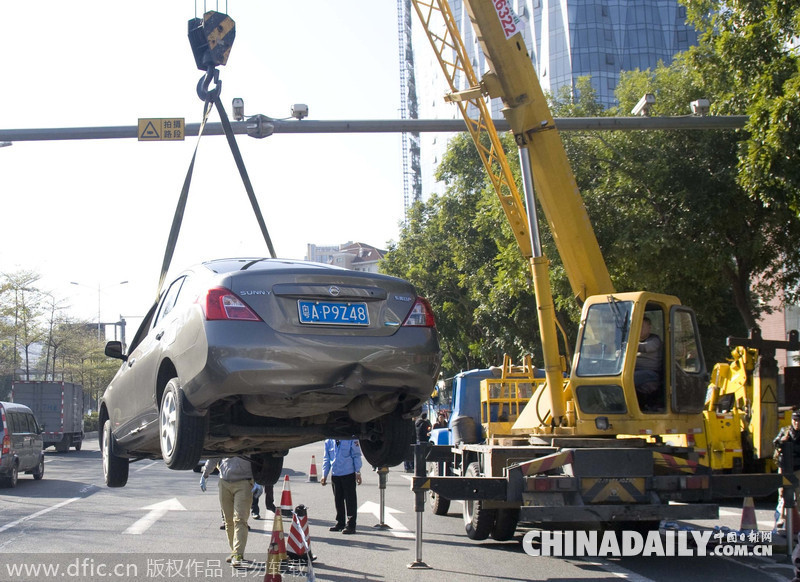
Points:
(273, 573)
(748, 515)
(299, 541)
(286, 498)
(312, 472)
(278, 538)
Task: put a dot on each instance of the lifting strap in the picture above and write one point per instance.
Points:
(209, 97)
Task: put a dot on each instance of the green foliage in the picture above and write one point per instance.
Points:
(91, 422)
(70, 349)
(749, 60)
(708, 216)
(460, 254)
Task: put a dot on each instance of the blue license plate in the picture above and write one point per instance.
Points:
(332, 313)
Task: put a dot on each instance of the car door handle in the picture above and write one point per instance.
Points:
(131, 362)
(160, 334)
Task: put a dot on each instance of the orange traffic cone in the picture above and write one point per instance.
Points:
(286, 498)
(273, 573)
(748, 515)
(278, 537)
(312, 472)
(299, 542)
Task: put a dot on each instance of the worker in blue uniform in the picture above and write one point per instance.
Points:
(342, 461)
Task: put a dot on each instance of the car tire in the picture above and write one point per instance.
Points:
(438, 504)
(63, 446)
(266, 468)
(11, 479)
(505, 523)
(115, 469)
(181, 435)
(38, 472)
(391, 445)
(78, 445)
(478, 521)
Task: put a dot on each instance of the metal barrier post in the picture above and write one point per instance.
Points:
(420, 450)
(383, 475)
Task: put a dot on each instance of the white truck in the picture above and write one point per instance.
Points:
(58, 406)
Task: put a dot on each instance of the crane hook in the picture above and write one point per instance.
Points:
(203, 91)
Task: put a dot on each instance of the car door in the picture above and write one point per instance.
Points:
(145, 359)
(31, 456)
(19, 438)
(37, 441)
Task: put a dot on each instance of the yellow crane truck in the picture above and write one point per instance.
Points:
(584, 448)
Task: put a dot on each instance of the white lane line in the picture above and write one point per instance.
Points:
(146, 467)
(617, 570)
(39, 513)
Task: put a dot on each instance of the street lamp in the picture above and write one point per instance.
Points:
(99, 292)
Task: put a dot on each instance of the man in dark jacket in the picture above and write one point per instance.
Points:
(423, 428)
(781, 442)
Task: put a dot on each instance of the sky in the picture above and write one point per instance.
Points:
(98, 212)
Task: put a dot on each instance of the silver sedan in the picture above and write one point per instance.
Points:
(256, 356)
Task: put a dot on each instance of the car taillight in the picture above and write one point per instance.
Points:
(222, 303)
(6, 445)
(421, 314)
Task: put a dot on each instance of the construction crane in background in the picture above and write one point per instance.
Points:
(412, 174)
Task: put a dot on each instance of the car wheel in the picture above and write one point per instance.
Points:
(478, 521)
(266, 468)
(115, 469)
(505, 523)
(12, 477)
(62, 447)
(390, 443)
(78, 445)
(438, 504)
(181, 435)
(38, 473)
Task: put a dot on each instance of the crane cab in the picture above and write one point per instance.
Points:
(615, 388)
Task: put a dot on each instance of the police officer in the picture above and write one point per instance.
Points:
(342, 460)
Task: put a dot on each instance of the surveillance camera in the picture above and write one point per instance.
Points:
(238, 108)
(644, 105)
(700, 106)
(299, 110)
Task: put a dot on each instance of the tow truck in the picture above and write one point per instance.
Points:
(578, 445)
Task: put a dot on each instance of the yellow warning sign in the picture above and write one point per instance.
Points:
(161, 129)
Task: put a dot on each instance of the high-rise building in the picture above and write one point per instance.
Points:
(566, 39)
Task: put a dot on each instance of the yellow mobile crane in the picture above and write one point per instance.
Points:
(586, 448)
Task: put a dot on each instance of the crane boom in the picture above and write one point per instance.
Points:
(512, 77)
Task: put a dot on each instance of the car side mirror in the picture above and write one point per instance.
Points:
(114, 350)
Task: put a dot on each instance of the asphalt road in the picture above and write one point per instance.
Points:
(162, 527)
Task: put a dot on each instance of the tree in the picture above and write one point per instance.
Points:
(748, 57)
(459, 253)
(716, 243)
(22, 304)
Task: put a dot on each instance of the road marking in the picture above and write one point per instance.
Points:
(146, 467)
(157, 511)
(398, 529)
(38, 513)
(616, 570)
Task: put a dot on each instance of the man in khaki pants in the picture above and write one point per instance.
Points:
(235, 498)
